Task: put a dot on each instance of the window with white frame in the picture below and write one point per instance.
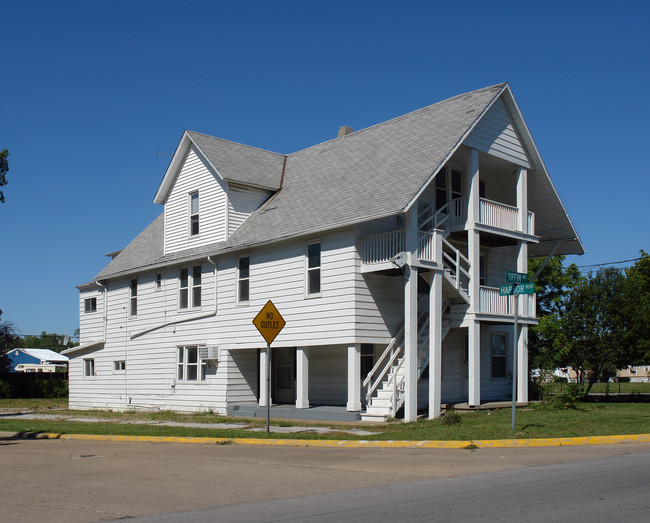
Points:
(89, 367)
(194, 213)
(119, 366)
(189, 295)
(190, 367)
(243, 279)
(133, 294)
(313, 268)
(158, 283)
(90, 305)
(498, 346)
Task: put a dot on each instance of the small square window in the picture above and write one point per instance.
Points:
(90, 305)
(119, 366)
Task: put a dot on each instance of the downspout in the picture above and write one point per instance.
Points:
(105, 316)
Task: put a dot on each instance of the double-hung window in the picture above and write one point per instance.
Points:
(133, 297)
(190, 367)
(243, 279)
(498, 355)
(90, 305)
(313, 268)
(194, 213)
(89, 367)
(189, 287)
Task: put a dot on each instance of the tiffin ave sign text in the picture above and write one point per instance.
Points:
(269, 322)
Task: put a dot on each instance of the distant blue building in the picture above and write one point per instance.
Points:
(32, 357)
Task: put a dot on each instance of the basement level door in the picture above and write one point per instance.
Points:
(284, 375)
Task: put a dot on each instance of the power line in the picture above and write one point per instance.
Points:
(608, 263)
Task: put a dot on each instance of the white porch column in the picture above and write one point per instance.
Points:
(473, 212)
(522, 200)
(354, 377)
(474, 363)
(435, 337)
(474, 256)
(302, 378)
(411, 321)
(522, 364)
(522, 341)
(263, 376)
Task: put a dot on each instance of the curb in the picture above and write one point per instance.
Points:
(469, 444)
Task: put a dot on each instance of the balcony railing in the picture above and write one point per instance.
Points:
(491, 302)
(382, 247)
(504, 216)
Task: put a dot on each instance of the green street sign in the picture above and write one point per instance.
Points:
(511, 289)
(516, 277)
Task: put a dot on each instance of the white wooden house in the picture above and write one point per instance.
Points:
(383, 249)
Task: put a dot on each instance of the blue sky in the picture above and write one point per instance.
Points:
(90, 92)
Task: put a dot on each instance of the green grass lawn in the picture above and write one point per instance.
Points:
(586, 420)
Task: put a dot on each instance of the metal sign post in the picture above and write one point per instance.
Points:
(517, 283)
(269, 322)
(514, 361)
(268, 388)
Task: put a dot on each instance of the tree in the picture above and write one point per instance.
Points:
(44, 341)
(638, 292)
(592, 335)
(552, 288)
(6, 339)
(4, 169)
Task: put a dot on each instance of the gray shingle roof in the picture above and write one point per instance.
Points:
(370, 173)
(241, 163)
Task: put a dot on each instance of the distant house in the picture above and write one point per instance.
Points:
(636, 374)
(36, 360)
(383, 249)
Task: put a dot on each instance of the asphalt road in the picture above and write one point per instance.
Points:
(56, 480)
(606, 489)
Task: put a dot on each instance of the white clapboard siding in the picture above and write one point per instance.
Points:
(497, 135)
(148, 342)
(242, 201)
(328, 375)
(495, 388)
(242, 381)
(91, 324)
(194, 175)
(278, 274)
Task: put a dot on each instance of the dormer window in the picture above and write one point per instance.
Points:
(194, 213)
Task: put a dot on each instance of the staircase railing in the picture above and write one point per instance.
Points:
(456, 265)
(451, 213)
(374, 379)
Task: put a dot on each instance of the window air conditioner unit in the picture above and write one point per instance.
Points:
(213, 352)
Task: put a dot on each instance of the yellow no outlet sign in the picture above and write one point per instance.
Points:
(269, 322)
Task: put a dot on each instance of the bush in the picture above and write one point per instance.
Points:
(451, 418)
(19, 385)
(563, 401)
